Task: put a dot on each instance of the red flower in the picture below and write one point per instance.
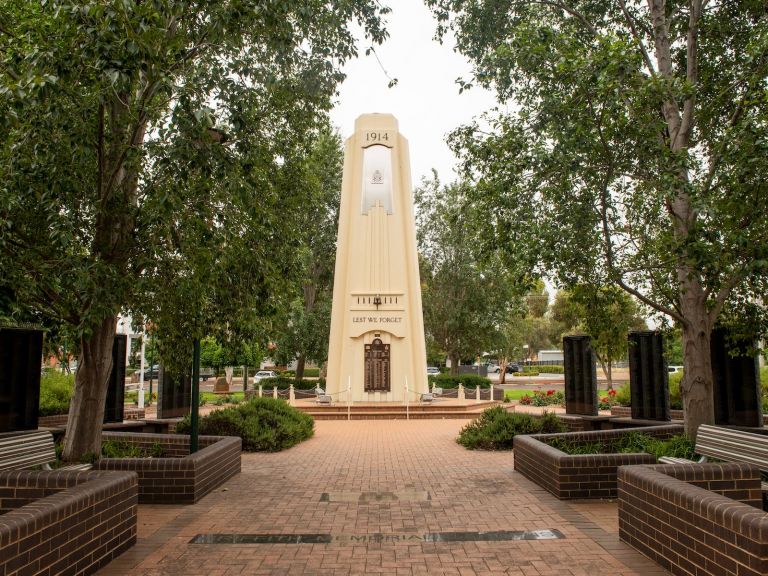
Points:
(611, 392)
(550, 392)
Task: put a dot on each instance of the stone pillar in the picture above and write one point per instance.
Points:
(648, 376)
(114, 406)
(461, 395)
(580, 376)
(21, 352)
(737, 381)
(291, 395)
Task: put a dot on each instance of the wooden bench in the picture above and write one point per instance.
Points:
(728, 445)
(30, 449)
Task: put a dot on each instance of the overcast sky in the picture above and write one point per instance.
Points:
(426, 100)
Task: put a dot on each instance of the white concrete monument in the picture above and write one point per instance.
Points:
(377, 329)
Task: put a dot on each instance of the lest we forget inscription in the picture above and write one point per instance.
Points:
(377, 366)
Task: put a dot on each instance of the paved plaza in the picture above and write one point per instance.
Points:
(371, 497)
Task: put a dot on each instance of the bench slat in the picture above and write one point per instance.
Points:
(26, 450)
(733, 445)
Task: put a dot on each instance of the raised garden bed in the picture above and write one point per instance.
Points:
(177, 477)
(64, 521)
(581, 475)
(696, 518)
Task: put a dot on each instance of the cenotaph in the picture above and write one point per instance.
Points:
(376, 346)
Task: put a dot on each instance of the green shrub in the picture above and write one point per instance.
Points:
(55, 393)
(450, 381)
(525, 372)
(675, 401)
(549, 423)
(495, 428)
(264, 424)
(283, 383)
(123, 449)
(550, 369)
(623, 395)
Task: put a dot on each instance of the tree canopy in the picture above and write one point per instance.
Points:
(633, 152)
(466, 296)
(151, 159)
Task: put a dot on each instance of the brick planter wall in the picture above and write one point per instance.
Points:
(180, 478)
(582, 475)
(60, 420)
(698, 519)
(626, 412)
(65, 522)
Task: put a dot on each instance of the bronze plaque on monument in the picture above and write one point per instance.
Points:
(377, 366)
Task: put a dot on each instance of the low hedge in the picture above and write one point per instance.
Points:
(55, 392)
(283, 383)
(451, 381)
(264, 424)
(547, 369)
(495, 428)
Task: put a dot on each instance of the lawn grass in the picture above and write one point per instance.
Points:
(210, 397)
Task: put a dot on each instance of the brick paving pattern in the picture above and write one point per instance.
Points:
(352, 462)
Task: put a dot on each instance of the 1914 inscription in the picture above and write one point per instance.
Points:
(377, 366)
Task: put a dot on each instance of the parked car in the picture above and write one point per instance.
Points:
(674, 369)
(512, 368)
(151, 373)
(432, 371)
(262, 374)
(206, 373)
(494, 368)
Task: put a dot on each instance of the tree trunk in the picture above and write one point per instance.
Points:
(503, 362)
(697, 386)
(607, 372)
(86, 411)
(300, 362)
(454, 358)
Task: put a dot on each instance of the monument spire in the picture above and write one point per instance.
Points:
(377, 328)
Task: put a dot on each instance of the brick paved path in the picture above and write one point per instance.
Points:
(316, 487)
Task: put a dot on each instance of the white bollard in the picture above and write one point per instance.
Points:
(274, 391)
(261, 391)
(477, 393)
(291, 396)
(462, 397)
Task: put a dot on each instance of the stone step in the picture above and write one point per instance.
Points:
(395, 412)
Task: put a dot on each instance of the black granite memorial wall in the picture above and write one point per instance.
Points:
(648, 376)
(580, 376)
(21, 357)
(114, 409)
(736, 381)
(174, 394)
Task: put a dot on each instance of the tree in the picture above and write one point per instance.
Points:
(305, 332)
(635, 153)
(606, 314)
(127, 130)
(465, 298)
